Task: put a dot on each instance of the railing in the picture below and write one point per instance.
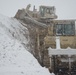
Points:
(58, 51)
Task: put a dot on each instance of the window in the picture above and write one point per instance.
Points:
(42, 11)
(65, 29)
(59, 29)
(48, 11)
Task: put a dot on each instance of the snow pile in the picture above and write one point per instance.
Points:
(14, 58)
(15, 29)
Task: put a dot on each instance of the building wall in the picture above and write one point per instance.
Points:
(65, 41)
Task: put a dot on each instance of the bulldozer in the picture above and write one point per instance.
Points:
(45, 12)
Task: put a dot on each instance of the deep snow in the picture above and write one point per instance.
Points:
(14, 57)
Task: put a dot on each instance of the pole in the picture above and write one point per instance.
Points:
(69, 63)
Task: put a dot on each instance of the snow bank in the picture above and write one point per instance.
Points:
(14, 58)
(15, 30)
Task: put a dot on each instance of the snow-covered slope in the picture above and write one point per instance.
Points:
(14, 58)
(15, 29)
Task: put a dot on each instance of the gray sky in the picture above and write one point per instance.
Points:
(65, 9)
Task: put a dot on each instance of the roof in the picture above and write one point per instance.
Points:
(47, 6)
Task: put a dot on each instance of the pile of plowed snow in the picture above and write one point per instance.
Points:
(15, 30)
(14, 58)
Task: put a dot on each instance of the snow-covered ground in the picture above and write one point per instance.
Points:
(14, 57)
(15, 29)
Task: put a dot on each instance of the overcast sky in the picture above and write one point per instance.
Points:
(65, 9)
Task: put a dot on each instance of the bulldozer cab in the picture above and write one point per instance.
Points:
(47, 12)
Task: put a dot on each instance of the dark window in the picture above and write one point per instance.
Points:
(65, 29)
(42, 11)
(59, 29)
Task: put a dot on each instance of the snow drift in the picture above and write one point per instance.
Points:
(14, 57)
(15, 29)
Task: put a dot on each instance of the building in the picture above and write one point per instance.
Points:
(45, 29)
